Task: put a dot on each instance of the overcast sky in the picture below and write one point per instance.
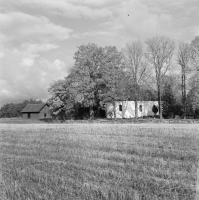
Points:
(38, 38)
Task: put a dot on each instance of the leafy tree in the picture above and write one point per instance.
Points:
(59, 96)
(159, 55)
(86, 72)
(193, 94)
(155, 109)
(169, 103)
(96, 73)
(65, 99)
(4, 111)
(113, 82)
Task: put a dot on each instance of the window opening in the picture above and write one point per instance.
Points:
(120, 107)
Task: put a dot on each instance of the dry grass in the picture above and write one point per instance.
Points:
(46, 161)
(19, 120)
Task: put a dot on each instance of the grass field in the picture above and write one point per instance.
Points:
(98, 161)
(19, 120)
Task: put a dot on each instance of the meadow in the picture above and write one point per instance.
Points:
(98, 161)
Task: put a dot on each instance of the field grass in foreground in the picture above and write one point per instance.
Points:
(19, 120)
(54, 162)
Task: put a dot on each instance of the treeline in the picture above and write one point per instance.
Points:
(14, 109)
(172, 102)
(138, 72)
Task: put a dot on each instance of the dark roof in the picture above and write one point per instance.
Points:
(147, 87)
(34, 107)
(146, 93)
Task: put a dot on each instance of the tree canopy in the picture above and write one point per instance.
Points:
(94, 78)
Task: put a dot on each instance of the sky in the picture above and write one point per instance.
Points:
(38, 38)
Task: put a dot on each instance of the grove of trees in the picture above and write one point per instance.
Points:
(104, 75)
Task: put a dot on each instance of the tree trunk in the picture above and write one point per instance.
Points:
(136, 98)
(159, 102)
(185, 98)
(91, 112)
(123, 110)
(183, 92)
(136, 109)
(114, 110)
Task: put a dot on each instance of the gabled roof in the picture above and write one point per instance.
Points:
(147, 87)
(33, 107)
(146, 93)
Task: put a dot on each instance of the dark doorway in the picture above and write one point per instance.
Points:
(44, 115)
(102, 113)
(28, 115)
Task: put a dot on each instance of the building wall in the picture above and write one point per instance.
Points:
(44, 111)
(128, 109)
(32, 115)
(25, 115)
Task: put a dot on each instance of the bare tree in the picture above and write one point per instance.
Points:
(159, 55)
(136, 68)
(184, 60)
(195, 53)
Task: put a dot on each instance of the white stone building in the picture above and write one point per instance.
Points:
(126, 109)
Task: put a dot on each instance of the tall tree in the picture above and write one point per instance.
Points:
(184, 60)
(193, 94)
(95, 75)
(62, 98)
(112, 83)
(168, 97)
(159, 55)
(86, 72)
(136, 68)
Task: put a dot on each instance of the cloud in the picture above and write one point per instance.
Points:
(142, 19)
(65, 8)
(139, 22)
(95, 34)
(25, 78)
(27, 62)
(24, 71)
(34, 50)
(1, 55)
(131, 19)
(17, 27)
(21, 72)
(59, 64)
(187, 35)
(5, 92)
(92, 3)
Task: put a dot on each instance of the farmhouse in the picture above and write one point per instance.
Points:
(36, 111)
(126, 109)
